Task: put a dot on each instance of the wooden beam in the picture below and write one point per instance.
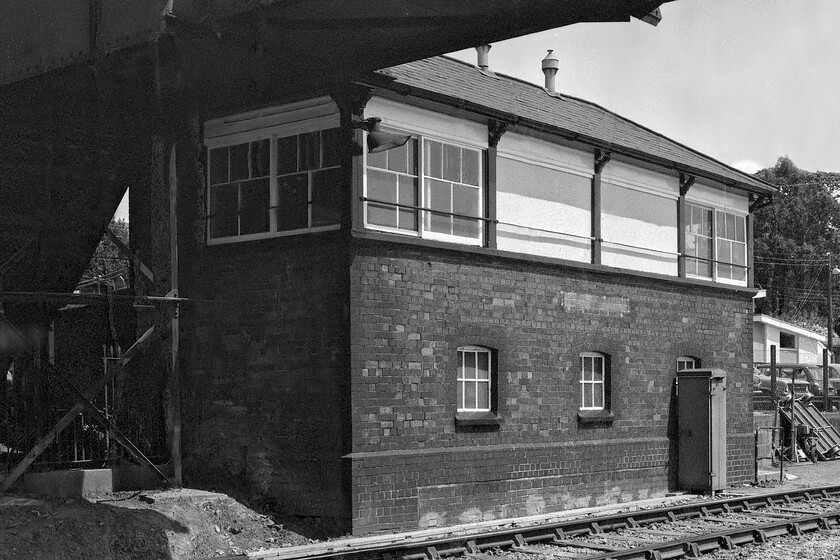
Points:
(130, 254)
(175, 380)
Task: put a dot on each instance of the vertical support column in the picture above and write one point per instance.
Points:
(495, 130)
(685, 185)
(164, 239)
(351, 101)
(601, 160)
(175, 380)
(750, 250)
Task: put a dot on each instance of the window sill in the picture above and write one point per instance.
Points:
(487, 420)
(595, 417)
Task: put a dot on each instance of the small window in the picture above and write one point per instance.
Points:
(787, 341)
(592, 381)
(474, 379)
(687, 362)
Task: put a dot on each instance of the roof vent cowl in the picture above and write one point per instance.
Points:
(483, 56)
(550, 66)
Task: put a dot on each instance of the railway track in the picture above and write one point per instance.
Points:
(687, 530)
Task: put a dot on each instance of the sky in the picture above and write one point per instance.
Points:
(744, 81)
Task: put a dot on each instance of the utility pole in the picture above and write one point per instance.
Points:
(830, 321)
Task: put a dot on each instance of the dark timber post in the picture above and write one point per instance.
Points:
(495, 130)
(685, 185)
(601, 159)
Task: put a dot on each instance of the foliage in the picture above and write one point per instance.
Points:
(107, 259)
(793, 237)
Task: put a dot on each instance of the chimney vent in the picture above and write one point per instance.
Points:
(550, 66)
(483, 52)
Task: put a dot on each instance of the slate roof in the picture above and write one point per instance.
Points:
(506, 98)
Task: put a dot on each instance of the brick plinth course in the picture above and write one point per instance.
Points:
(411, 308)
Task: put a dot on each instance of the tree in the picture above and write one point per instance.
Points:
(107, 259)
(793, 236)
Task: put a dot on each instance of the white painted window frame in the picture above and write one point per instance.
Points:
(425, 212)
(463, 381)
(686, 362)
(716, 214)
(312, 115)
(590, 386)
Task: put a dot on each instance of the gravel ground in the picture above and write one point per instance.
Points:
(813, 546)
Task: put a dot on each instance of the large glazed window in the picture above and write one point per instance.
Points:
(278, 185)
(239, 179)
(698, 241)
(731, 246)
(448, 207)
(716, 244)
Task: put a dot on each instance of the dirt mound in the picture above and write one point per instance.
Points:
(173, 525)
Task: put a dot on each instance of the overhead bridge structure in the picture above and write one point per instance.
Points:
(96, 94)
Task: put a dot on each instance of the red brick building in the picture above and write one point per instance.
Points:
(482, 322)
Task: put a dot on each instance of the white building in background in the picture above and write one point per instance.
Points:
(793, 344)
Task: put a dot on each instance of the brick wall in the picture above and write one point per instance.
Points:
(411, 308)
(264, 362)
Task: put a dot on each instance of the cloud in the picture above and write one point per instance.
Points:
(748, 166)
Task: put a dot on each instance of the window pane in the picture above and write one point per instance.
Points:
(255, 203)
(398, 159)
(287, 155)
(260, 158)
(326, 197)
(598, 369)
(586, 368)
(293, 211)
(434, 159)
(408, 196)
(741, 229)
(598, 396)
(483, 396)
(470, 168)
(224, 203)
(460, 400)
(310, 148)
(724, 251)
(730, 226)
(381, 186)
(465, 201)
(378, 160)
(469, 394)
(469, 365)
(218, 166)
(483, 365)
(332, 147)
(451, 163)
(586, 392)
(739, 254)
(438, 197)
(239, 162)
(381, 215)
